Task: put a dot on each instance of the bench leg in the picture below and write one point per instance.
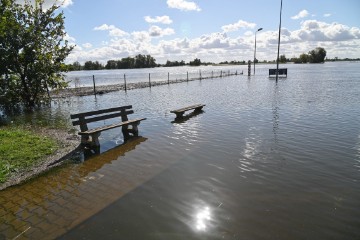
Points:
(84, 139)
(198, 109)
(179, 114)
(134, 129)
(125, 131)
(95, 139)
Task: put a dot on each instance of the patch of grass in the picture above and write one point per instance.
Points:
(21, 149)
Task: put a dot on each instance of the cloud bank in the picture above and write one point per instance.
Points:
(338, 39)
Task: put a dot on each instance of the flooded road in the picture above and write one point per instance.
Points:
(263, 161)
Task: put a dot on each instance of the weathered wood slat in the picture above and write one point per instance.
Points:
(86, 114)
(103, 117)
(100, 129)
(187, 108)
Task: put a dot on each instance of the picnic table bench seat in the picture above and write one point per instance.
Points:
(91, 136)
(180, 112)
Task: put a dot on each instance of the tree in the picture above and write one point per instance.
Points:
(317, 55)
(32, 52)
(304, 58)
(196, 62)
(282, 59)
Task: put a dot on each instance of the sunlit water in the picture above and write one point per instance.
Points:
(265, 160)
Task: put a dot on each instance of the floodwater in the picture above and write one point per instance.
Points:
(265, 160)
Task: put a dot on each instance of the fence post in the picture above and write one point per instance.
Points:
(168, 78)
(229, 73)
(187, 76)
(249, 68)
(149, 81)
(200, 74)
(236, 73)
(94, 84)
(221, 73)
(125, 82)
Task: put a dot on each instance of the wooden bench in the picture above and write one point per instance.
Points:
(282, 72)
(82, 119)
(180, 112)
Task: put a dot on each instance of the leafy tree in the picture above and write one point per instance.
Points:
(304, 58)
(111, 64)
(317, 55)
(282, 59)
(174, 64)
(32, 52)
(196, 62)
(90, 65)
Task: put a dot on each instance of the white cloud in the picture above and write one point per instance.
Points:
(87, 45)
(113, 31)
(248, 33)
(312, 30)
(236, 26)
(301, 14)
(183, 5)
(158, 19)
(327, 15)
(64, 3)
(48, 3)
(67, 37)
(141, 36)
(339, 40)
(156, 31)
(214, 40)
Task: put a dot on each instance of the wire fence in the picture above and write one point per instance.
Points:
(103, 82)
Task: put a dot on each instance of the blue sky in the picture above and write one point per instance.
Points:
(211, 30)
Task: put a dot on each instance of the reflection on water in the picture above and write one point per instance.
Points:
(265, 161)
(187, 117)
(202, 218)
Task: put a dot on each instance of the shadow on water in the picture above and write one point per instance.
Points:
(46, 207)
(120, 150)
(187, 117)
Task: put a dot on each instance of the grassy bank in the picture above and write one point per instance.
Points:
(21, 150)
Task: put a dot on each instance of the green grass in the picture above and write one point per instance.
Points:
(21, 149)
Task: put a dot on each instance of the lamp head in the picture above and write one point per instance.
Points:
(260, 29)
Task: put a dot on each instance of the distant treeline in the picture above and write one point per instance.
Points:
(146, 61)
(139, 61)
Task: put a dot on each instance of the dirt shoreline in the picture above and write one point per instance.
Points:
(68, 145)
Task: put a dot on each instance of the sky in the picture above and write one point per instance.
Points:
(211, 30)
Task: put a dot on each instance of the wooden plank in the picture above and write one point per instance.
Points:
(86, 114)
(187, 108)
(103, 117)
(100, 129)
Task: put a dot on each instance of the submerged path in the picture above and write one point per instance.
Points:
(84, 91)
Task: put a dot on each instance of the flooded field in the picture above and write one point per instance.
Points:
(265, 160)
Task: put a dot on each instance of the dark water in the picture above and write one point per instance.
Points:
(265, 160)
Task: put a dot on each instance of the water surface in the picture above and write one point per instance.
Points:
(265, 160)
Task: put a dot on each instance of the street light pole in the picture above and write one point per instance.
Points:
(255, 48)
(277, 59)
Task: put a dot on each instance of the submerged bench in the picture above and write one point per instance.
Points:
(82, 119)
(281, 73)
(180, 112)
